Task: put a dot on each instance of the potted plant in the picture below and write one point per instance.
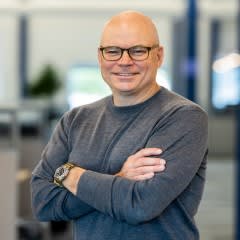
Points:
(46, 84)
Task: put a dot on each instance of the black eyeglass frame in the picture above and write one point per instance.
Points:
(128, 51)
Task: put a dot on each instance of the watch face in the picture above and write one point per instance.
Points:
(61, 173)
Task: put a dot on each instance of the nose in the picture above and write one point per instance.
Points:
(125, 59)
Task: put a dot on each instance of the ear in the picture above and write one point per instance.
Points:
(99, 57)
(160, 55)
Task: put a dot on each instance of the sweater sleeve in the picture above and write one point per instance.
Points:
(183, 139)
(50, 202)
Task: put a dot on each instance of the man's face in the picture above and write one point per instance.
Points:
(127, 77)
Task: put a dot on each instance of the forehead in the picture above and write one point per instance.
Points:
(128, 33)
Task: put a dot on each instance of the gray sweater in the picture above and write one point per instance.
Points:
(99, 137)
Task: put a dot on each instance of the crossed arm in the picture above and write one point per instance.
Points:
(51, 202)
(139, 166)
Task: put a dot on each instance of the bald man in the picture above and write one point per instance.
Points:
(132, 165)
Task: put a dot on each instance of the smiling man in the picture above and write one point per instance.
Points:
(132, 165)
(131, 74)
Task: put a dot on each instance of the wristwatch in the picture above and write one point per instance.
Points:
(62, 172)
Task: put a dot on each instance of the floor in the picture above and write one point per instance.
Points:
(215, 217)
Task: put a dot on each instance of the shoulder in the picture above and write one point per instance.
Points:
(172, 102)
(178, 113)
(88, 111)
(188, 116)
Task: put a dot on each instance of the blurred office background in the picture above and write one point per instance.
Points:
(48, 64)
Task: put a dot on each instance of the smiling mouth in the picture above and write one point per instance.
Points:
(125, 74)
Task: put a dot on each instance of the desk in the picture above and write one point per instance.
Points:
(25, 113)
(11, 110)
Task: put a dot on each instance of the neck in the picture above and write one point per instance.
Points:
(127, 99)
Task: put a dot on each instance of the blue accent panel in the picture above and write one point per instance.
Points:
(215, 29)
(191, 55)
(237, 145)
(179, 43)
(23, 30)
(237, 152)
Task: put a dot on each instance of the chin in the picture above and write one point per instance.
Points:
(127, 86)
(125, 90)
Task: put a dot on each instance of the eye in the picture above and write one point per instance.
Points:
(112, 51)
(138, 51)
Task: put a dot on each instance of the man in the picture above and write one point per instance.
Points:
(116, 184)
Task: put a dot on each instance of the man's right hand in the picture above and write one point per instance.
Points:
(143, 164)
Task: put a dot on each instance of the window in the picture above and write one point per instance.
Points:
(85, 85)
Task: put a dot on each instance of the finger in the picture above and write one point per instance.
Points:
(148, 169)
(144, 176)
(148, 161)
(148, 152)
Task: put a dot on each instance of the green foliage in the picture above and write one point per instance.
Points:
(46, 84)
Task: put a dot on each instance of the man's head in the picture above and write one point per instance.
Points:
(130, 73)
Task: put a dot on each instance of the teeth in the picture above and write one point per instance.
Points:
(125, 74)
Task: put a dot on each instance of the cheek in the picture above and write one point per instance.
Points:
(107, 67)
(149, 73)
(147, 69)
(106, 72)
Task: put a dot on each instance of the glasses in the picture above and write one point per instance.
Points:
(137, 53)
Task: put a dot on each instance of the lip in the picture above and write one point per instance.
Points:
(125, 74)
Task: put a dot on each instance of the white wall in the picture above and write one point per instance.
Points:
(9, 84)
